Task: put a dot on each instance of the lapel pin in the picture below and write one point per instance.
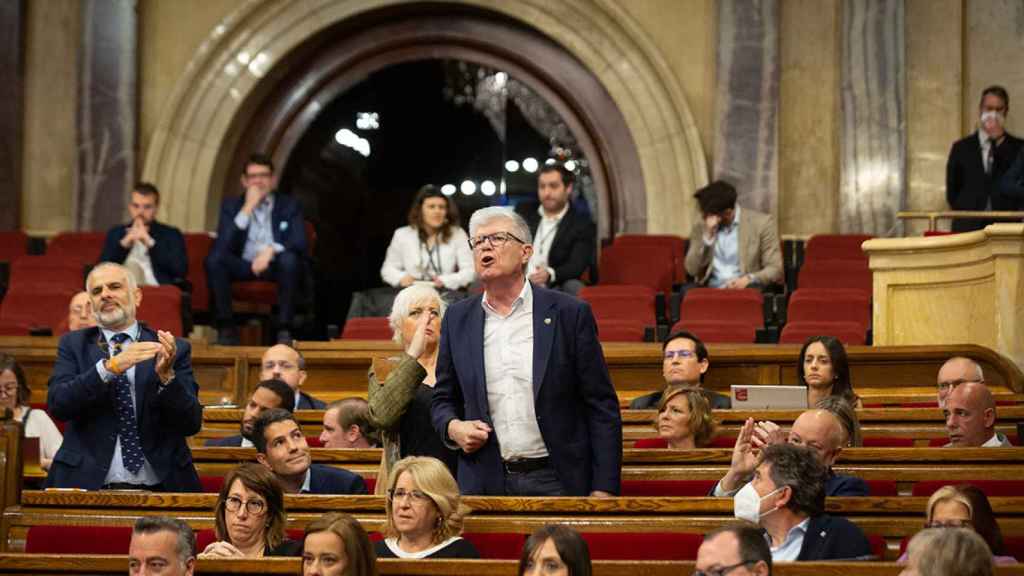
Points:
(547, 320)
(822, 533)
(284, 225)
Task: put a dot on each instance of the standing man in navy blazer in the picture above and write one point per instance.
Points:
(128, 396)
(522, 386)
(261, 235)
(565, 240)
(154, 252)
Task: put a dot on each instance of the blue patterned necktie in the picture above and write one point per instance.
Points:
(127, 430)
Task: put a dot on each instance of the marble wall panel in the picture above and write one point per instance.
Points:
(12, 38)
(873, 137)
(747, 96)
(107, 109)
(809, 116)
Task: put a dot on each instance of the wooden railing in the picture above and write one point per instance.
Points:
(933, 216)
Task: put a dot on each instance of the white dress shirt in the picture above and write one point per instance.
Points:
(508, 368)
(139, 255)
(261, 232)
(543, 239)
(725, 260)
(789, 551)
(117, 472)
(408, 255)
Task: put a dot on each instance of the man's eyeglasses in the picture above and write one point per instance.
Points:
(681, 354)
(954, 383)
(952, 523)
(496, 240)
(400, 494)
(254, 507)
(722, 571)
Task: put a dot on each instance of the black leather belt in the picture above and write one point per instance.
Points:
(526, 465)
(127, 486)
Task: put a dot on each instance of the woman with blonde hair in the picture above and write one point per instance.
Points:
(424, 513)
(684, 420)
(948, 552)
(400, 388)
(337, 545)
(966, 506)
(249, 518)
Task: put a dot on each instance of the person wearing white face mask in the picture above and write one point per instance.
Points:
(977, 162)
(787, 499)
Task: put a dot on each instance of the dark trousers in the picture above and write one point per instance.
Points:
(542, 482)
(223, 268)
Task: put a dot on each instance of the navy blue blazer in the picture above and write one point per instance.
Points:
(843, 485)
(79, 397)
(286, 220)
(576, 406)
(170, 261)
(307, 402)
(328, 480)
(228, 441)
(833, 538)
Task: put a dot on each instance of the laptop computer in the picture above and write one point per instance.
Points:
(768, 396)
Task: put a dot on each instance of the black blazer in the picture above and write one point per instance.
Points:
(833, 538)
(574, 400)
(170, 261)
(165, 418)
(967, 185)
(574, 248)
(328, 480)
(286, 220)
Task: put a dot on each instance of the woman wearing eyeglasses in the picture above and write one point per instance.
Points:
(400, 388)
(15, 394)
(249, 517)
(424, 513)
(966, 506)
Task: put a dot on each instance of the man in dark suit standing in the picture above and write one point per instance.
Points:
(565, 241)
(977, 162)
(282, 448)
(128, 396)
(269, 394)
(154, 252)
(522, 386)
(261, 235)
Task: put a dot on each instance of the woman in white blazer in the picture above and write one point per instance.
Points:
(432, 248)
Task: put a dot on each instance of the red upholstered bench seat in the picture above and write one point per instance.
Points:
(214, 483)
(78, 539)
(991, 488)
(667, 487)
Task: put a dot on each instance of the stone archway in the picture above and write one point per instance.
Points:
(190, 153)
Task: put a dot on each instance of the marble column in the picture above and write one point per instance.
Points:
(12, 82)
(747, 96)
(994, 44)
(872, 184)
(107, 114)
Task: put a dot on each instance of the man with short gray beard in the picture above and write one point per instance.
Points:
(128, 396)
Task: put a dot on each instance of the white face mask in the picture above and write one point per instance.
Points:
(994, 116)
(747, 503)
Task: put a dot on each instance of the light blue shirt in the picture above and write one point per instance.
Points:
(117, 471)
(725, 260)
(790, 548)
(260, 228)
(305, 483)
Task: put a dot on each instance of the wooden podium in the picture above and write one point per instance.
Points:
(957, 289)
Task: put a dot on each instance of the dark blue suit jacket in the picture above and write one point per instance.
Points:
(78, 396)
(170, 261)
(967, 185)
(286, 220)
(328, 480)
(307, 402)
(576, 406)
(833, 538)
(228, 441)
(843, 485)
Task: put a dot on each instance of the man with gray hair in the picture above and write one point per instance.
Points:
(522, 386)
(954, 372)
(161, 545)
(128, 396)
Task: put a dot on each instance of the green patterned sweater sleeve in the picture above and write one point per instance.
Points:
(389, 399)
